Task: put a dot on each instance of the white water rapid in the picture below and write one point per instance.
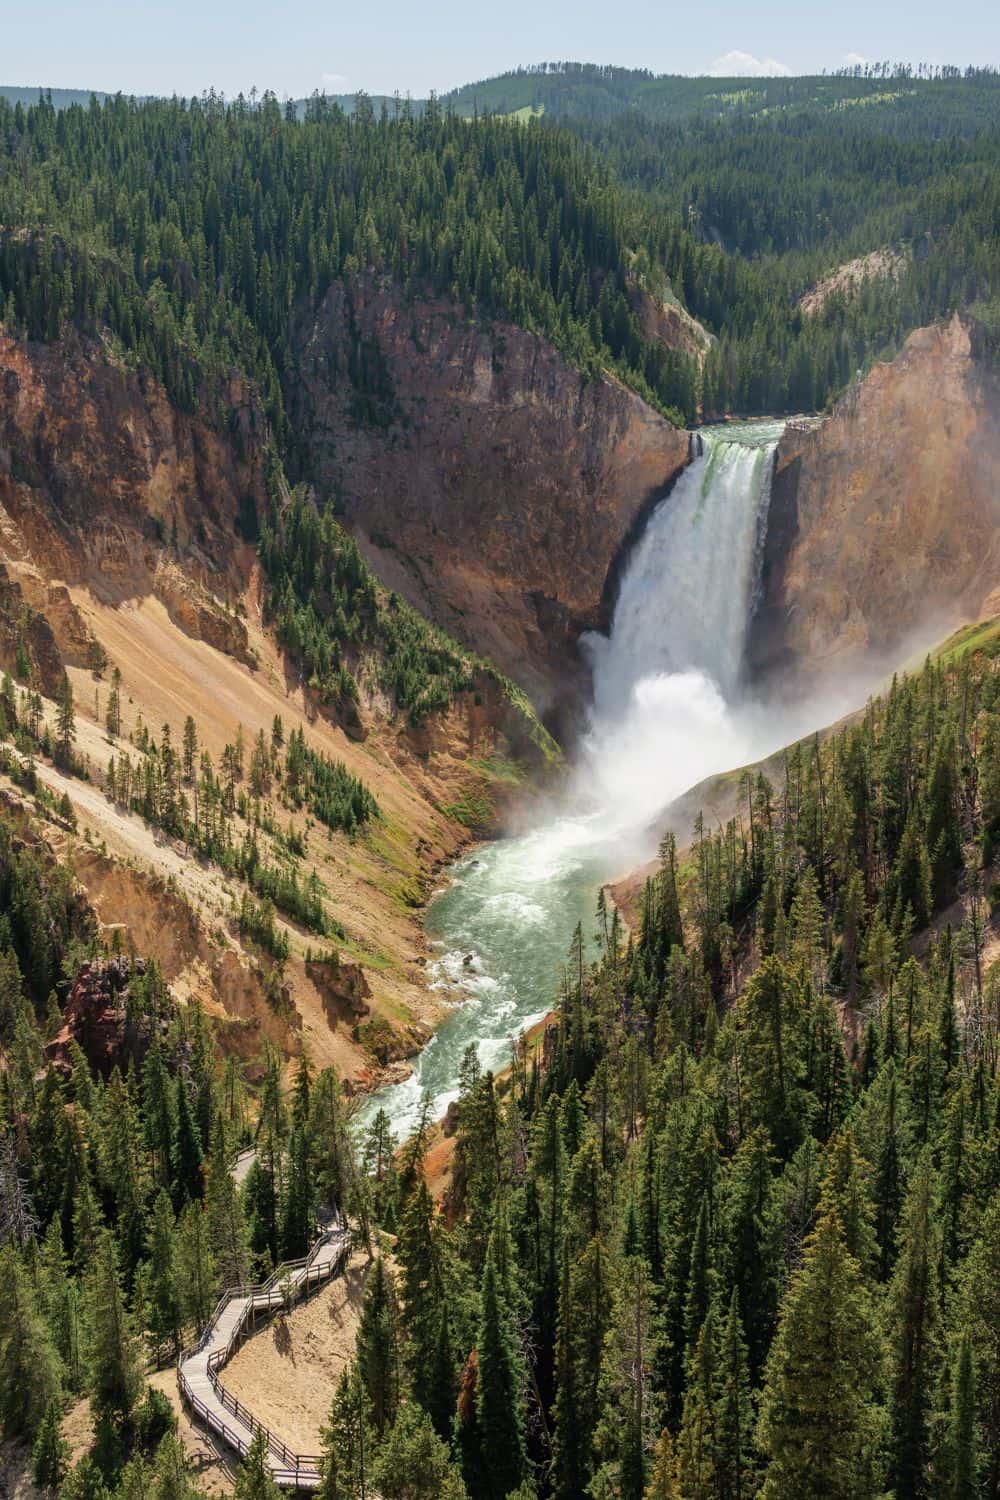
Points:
(668, 710)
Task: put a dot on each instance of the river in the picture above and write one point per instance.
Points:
(669, 708)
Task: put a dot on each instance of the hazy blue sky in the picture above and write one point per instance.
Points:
(186, 46)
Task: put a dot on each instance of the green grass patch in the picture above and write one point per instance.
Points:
(495, 768)
(970, 638)
(474, 811)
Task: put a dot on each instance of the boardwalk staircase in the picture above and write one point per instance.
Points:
(199, 1365)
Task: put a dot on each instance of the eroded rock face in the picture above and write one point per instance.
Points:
(885, 519)
(487, 481)
(103, 481)
(95, 1017)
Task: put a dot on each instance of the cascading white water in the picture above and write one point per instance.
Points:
(686, 596)
(668, 676)
(667, 711)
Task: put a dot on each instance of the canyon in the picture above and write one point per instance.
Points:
(498, 490)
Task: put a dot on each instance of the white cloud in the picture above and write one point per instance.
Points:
(334, 81)
(744, 65)
(855, 59)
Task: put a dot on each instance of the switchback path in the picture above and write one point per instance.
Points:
(199, 1365)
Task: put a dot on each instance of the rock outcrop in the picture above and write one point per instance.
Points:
(103, 482)
(885, 519)
(95, 1017)
(487, 480)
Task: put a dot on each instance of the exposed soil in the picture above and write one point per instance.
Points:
(289, 1370)
(848, 279)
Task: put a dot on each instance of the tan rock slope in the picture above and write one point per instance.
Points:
(884, 519)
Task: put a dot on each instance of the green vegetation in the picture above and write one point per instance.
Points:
(329, 610)
(600, 92)
(255, 213)
(736, 198)
(731, 1231)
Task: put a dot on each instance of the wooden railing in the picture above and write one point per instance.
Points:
(301, 1470)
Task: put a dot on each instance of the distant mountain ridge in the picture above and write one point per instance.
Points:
(594, 91)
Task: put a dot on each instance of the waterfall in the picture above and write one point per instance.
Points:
(668, 676)
(669, 709)
(688, 592)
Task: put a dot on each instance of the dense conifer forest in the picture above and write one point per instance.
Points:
(201, 234)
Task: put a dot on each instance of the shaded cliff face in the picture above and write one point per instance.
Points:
(884, 518)
(489, 482)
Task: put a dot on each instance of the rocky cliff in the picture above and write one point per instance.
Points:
(884, 518)
(104, 484)
(488, 481)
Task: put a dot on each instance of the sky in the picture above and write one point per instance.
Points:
(187, 46)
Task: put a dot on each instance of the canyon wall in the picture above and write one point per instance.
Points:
(885, 519)
(104, 484)
(488, 481)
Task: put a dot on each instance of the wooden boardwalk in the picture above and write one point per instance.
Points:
(232, 1322)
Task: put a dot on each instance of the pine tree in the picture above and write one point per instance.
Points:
(663, 1482)
(113, 712)
(84, 1482)
(194, 1265)
(112, 1347)
(819, 1426)
(65, 725)
(378, 1347)
(227, 1227)
(499, 1399)
(162, 1293)
(915, 1315)
(697, 1443)
(158, 1110)
(733, 1413)
(846, 1191)
(751, 1231)
(701, 1278)
(30, 1377)
(347, 1440)
(60, 1298)
(773, 1017)
(51, 1451)
(962, 1440)
(979, 1314)
(413, 1463)
(254, 1480)
(584, 1311)
(171, 1476)
(185, 1150)
(297, 1218)
(423, 1305)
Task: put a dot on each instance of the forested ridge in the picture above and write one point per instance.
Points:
(198, 232)
(203, 234)
(755, 208)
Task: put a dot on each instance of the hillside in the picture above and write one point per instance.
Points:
(124, 565)
(589, 91)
